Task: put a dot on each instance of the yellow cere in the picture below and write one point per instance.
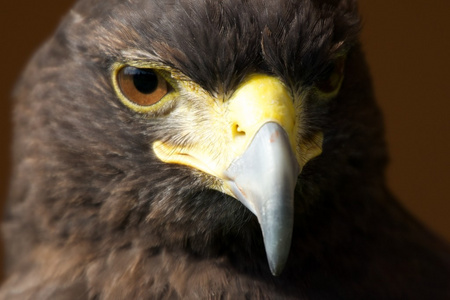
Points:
(258, 100)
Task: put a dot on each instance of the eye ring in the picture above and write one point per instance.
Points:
(142, 89)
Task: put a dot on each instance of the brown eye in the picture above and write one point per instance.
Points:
(143, 87)
(332, 77)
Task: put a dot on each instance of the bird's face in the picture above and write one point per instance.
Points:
(232, 92)
(247, 140)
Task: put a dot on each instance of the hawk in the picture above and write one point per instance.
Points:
(207, 149)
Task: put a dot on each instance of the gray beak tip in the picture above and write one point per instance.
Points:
(277, 234)
(276, 265)
(275, 269)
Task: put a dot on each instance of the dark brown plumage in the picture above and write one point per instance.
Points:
(94, 214)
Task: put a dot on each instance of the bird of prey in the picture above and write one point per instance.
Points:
(208, 149)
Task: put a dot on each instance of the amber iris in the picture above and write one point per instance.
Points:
(142, 86)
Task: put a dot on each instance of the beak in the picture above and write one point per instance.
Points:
(255, 156)
(264, 179)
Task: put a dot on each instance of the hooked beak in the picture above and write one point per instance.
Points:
(264, 179)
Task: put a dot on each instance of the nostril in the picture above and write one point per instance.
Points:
(237, 130)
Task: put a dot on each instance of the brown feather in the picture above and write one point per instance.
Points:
(93, 214)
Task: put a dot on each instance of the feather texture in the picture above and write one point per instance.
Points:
(93, 214)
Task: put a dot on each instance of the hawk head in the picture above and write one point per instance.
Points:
(204, 125)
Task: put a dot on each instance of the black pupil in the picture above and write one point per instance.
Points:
(145, 80)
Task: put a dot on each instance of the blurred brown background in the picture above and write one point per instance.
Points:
(408, 48)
